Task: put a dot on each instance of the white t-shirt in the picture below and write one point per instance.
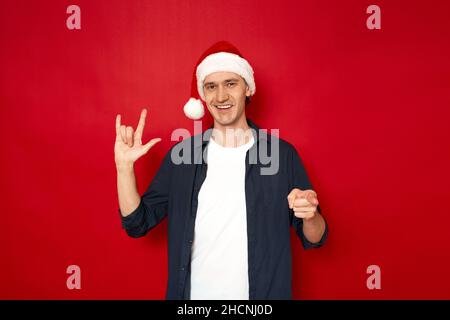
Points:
(219, 263)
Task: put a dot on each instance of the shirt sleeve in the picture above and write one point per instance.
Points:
(153, 206)
(299, 179)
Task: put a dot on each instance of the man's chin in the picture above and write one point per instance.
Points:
(224, 121)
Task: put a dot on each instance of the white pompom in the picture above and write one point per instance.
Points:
(193, 109)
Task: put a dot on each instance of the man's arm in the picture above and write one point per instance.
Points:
(150, 209)
(128, 148)
(307, 219)
(304, 203)
(129, 197)
(314, 228)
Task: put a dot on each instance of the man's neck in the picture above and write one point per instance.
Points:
(233, 135)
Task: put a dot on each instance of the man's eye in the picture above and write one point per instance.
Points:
(231, 84)
(210, 87)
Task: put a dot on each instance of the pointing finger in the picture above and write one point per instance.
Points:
(312, 198)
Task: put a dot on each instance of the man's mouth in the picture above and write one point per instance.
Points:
(223, 106)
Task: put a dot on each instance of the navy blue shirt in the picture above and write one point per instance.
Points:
(174, 191)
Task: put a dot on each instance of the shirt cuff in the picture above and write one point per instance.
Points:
(134, 219)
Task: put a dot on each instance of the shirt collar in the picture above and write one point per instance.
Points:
(206, 135)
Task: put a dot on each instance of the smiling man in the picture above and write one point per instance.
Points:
(225, 96)
(229, 224)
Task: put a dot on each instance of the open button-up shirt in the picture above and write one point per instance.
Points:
(174, 193)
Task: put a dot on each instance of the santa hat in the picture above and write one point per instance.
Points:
(221, 56)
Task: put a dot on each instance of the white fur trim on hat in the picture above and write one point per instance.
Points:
(193, 109)
(224, 61)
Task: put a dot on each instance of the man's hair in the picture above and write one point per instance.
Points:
(247, 99)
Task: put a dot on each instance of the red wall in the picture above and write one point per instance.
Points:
(368, 111)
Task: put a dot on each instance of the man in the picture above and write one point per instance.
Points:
(228, 224)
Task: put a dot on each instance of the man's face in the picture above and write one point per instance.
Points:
(225, 94)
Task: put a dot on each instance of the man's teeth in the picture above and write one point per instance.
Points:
(224, 106)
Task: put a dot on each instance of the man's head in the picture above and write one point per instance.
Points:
(222, 77)
(225, 95)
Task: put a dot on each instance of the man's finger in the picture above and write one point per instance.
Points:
(305, 209)
(305, 193)
(123, 133)
(291, 200)
(140, 127)
(310, 195)
(312, 198)
(130, 136)
(301, 202)
(304, 215)
(292, 196)
(118, 125)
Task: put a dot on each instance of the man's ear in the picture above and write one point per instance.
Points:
(247, 91)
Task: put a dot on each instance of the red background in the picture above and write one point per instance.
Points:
(368, 111)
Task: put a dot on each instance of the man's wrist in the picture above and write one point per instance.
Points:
(125, 167)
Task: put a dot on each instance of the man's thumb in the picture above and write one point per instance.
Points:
(150, 144)
(292, 196)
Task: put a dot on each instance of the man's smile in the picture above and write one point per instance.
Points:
(223, 106)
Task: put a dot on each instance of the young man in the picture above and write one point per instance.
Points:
(228, 222)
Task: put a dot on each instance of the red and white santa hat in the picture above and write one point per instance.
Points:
(221, 56)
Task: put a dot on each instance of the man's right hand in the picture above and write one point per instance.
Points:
(128, 147)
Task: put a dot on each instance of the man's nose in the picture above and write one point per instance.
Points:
(222, 94)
